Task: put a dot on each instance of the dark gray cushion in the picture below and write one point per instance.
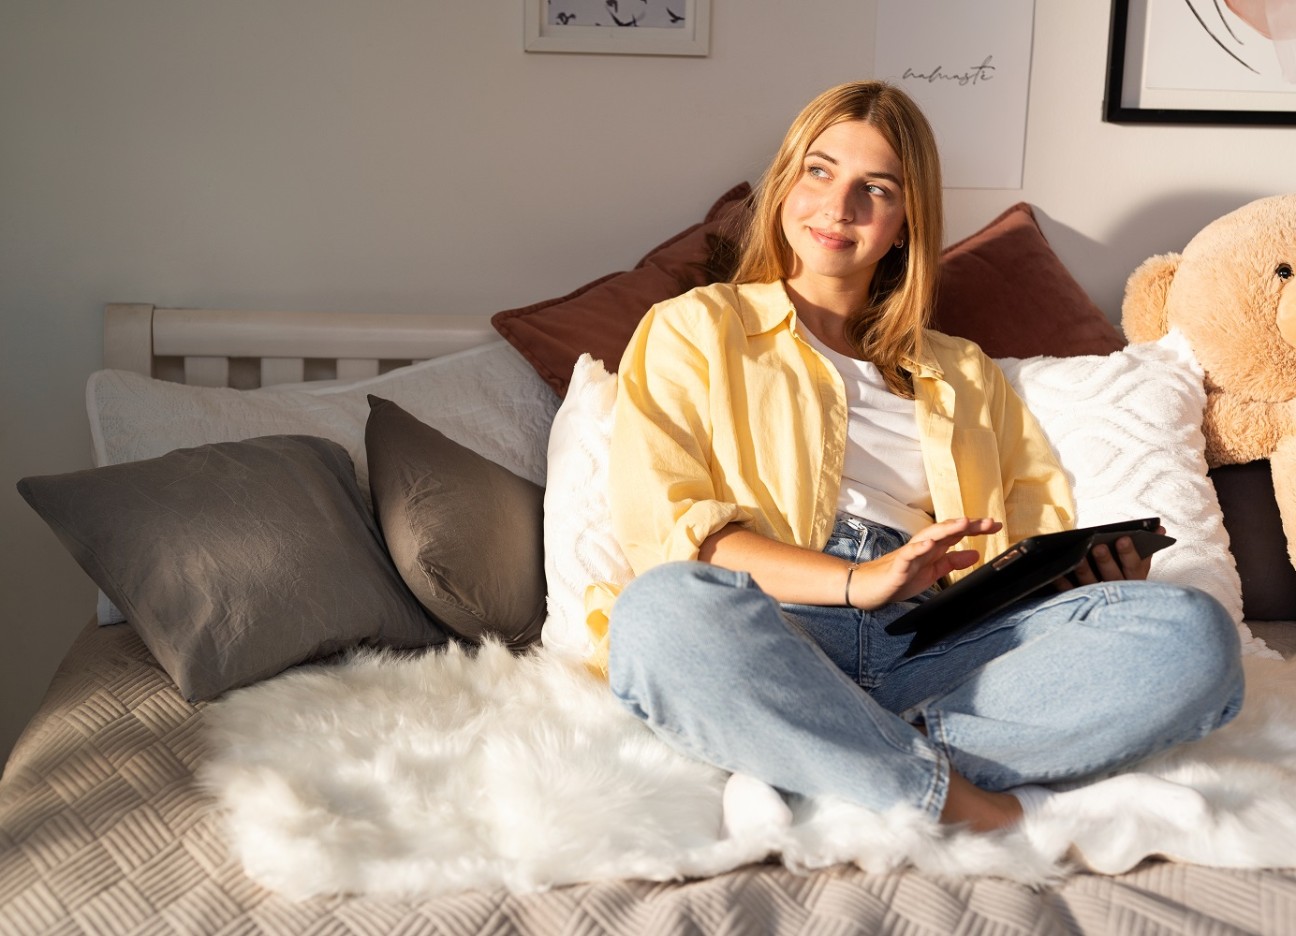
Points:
(236, 560)
(1256, 539)
(465, 533)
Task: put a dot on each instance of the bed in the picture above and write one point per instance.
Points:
(114, 819)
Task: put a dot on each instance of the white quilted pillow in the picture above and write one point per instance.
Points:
(487, 398)
(1127, 429)
(1125, 426)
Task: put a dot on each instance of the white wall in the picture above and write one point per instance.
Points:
(407, 156)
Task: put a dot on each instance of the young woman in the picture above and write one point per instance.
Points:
(796, 460)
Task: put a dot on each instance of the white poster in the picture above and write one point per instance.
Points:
(1205, 45)
(968, 65)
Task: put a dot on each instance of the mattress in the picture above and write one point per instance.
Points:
(103, 829)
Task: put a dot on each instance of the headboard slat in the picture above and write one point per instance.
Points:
(282, 370)
(356, 368)
(204, 371)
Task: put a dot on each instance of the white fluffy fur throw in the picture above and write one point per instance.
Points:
(445, 772)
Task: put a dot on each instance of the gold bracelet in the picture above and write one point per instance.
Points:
(850, 570)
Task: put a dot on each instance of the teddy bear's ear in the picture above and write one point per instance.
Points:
(1143, 313)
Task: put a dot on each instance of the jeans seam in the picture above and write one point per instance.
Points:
(861, 632)
(934, 802)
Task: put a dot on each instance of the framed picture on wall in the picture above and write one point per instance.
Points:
(1202, 62)
(625, 27)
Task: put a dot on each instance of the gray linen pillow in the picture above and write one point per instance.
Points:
(465, 533)
(235, 560)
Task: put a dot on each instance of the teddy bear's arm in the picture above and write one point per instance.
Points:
(1239, 430)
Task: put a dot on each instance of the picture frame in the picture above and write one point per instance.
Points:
(1130, 98)
(542, 33)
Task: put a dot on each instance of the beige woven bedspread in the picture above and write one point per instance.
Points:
(103, 830)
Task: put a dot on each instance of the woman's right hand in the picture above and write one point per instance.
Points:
(917, 565)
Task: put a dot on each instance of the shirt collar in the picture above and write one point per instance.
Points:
(765, 306)
(925, 363)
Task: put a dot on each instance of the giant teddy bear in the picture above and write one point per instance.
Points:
(1232, 295)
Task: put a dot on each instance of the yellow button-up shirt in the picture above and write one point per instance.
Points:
(725, 415)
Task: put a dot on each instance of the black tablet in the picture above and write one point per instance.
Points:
(1015, 573)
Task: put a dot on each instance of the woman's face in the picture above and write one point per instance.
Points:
(846, 209)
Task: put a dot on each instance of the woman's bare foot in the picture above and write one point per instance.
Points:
(979, 809)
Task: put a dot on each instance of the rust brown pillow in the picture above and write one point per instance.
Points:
(1003, 287)
(1006, 289)
(600, 317)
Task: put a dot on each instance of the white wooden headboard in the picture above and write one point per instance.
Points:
(246, 349)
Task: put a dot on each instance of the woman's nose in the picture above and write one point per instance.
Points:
(837, 205)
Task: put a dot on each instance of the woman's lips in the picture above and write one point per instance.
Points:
(830, 240)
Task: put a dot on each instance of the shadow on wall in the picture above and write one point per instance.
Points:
(1161, 225)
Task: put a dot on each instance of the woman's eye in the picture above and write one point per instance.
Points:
(1284, 271)
(875, 189)
(819, 172)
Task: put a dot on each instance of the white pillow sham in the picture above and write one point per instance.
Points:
(487, 398)
(1125, 426)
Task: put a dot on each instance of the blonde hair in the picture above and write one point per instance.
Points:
(889, 328)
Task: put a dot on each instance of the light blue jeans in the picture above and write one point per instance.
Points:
(820, 701)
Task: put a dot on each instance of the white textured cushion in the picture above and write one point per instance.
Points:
(1127, 429)
(1125, 426)
(579, 546)
(487, 398)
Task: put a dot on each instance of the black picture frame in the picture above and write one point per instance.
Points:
(1115, 111)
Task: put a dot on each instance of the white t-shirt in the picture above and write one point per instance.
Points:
(883, 478)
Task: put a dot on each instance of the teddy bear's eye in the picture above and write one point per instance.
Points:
(1284, 271)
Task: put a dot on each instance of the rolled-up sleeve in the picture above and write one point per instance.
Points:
(663, 496)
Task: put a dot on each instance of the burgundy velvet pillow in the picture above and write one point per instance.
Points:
(1003, 287)
(1006, 289)
(600, 317)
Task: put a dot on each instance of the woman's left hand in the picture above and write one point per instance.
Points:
(1108, 565)
(928, 557)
